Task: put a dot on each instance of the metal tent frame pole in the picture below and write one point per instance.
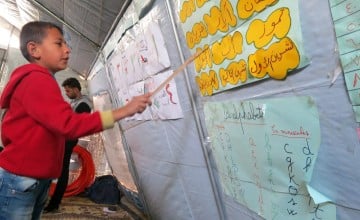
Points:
(215, 189)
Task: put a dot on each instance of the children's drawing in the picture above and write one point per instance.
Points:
(154, 56)
(135, 90)
(166, 103)
(140, 54)
(116, 71)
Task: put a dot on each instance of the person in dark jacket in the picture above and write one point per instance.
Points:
(79, 103)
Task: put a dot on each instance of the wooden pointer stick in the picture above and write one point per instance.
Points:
(177, 71)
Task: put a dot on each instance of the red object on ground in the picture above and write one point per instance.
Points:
(86, 176)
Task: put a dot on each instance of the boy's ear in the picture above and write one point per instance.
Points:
(33, 50)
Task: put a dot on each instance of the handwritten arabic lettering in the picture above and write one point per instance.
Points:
(200, 3)
(246, 8)
(220, 18)
(207, 82)
(163, 98)
(261, 32)
(234, 73)
(227, 48)
(270, 48)
(275, 61)
(204, 59)
(188, 7)
(168, 91)
(194, 37)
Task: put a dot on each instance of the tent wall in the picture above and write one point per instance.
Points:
(172, 158)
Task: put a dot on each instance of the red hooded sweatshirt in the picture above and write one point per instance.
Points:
(37, 122)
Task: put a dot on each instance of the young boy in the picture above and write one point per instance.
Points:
(38, 121)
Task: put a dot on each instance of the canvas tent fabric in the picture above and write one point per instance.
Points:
(170, 162)
(85, 23)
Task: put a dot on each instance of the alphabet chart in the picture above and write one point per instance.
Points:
(265, 152)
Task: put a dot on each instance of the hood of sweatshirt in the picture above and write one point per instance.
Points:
(17, 75)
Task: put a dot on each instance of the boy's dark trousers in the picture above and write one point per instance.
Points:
(63, 179)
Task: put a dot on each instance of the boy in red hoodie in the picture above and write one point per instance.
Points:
(38, 120)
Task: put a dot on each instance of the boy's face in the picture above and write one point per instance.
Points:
(53, 52)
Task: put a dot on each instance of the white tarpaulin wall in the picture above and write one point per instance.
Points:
(174, 166)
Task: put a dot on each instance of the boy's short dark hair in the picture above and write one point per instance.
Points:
(72, 83)
(34, 31)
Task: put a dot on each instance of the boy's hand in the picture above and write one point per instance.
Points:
(136, 105)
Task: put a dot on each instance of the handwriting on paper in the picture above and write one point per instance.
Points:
(262, 37)
(265, 156)
(345, 15)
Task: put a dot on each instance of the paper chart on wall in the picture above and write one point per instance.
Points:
(346, 16)
(154, 55)
(130, 60)
(140, 53)
(136, 90)
(247, 40)
(118, 75)
(165, 104)
(265, 152)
